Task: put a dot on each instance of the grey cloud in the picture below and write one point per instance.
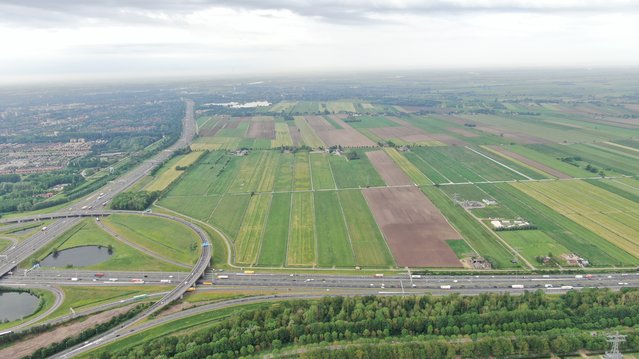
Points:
(60, 12)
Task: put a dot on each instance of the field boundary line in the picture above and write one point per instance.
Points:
(208, 218)
(499, 163)
(290, 221)
(310, 172)
(431, 166)
(378, 227)
(348, 231)
(316, 261)
(332, 174)
(259, 248)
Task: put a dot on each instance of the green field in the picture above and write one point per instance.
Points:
(333, 242)
(167, 238)
(169, 173)
(301, 248)
(354, 173)
(479, 237)
(123, 258)
(229, 212)
(372, 122)
(247, 243)
(368, 244)
(282, 135)
(322, 174)
(302, 174)
(284, 172)
(576, 238)
(274, 242)
(612, 217)
(309, 136)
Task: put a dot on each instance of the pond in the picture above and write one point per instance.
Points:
(15, 305)
(77, 256)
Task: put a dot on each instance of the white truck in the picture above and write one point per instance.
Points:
(517, 286)
(222, 276)
(444, 287)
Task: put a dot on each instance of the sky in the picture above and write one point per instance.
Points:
(53, 40)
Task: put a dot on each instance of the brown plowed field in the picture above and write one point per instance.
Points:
(232, 124)
(319, 123)
(395, 132)
(261, 130)
(347, 137)
(211, 131)
(414, 228)
(296, 136)
(388, 169)
(531, 163)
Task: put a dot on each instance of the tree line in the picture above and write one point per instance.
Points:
(496, 324)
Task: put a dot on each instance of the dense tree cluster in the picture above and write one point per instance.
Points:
(435, 327)
(134, 201)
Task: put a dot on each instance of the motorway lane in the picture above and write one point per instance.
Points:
(24, 249)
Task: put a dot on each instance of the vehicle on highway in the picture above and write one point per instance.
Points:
(222, 276)
(444, 287)
(517, 286)
(165, 281)
(99, 275)
(379, 275)
(44, 228)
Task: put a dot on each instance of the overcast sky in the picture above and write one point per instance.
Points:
(76, 39)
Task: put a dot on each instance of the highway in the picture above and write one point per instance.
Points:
(93, 201)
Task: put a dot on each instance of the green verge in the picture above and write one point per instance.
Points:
(83, 298)
(162, 236)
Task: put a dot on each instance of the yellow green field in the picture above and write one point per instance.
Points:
(282, 135)
(251, 231)
(301, 241)
(308, 134)
(167, 177)
(612, 217)
(413, 172)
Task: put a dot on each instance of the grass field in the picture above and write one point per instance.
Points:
(354, 173)
(162, 236)
(368, 244)
(274, 242)
(199, 207)
(573, 236)
(283, 106)
(169, 173)
(4, 244)
(321, 171)
(333, 241)
(282, 136)
(549, 161)
(413, 172)
(256, 173)
(247, 243)
(461, 248)
(604, 213)
(479, 237)
(123, 258)
(309, 136)
(301, 247)
(284, 172)
(340, 106)
(456, 164)
(372, 122)
(228, 214)
(302, 174)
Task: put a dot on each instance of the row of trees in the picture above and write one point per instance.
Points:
(532, 323)
(134, 201)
